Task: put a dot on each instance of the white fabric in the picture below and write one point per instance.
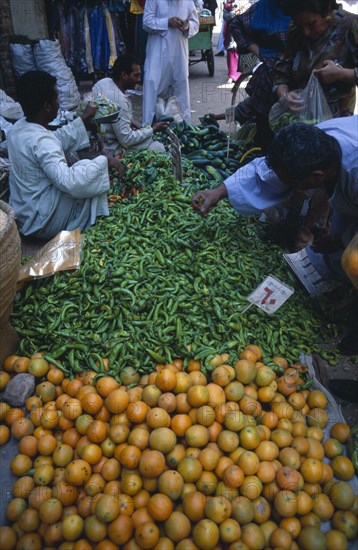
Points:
(167, 62)
(120, 135)
(47, 195)
(22, 58)
(255, 187)
(49, 58)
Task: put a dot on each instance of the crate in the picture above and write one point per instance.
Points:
(209, 20)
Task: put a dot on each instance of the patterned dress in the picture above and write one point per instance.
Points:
(271, 42)
(338, 43)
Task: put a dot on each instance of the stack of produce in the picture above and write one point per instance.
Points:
(209, 149)
(178, 462)
(159, 281)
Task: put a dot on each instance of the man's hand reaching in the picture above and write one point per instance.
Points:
(203, 201)
(160, 126)
(116, 165)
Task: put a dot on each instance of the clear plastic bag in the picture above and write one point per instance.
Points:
(167, 109)
(350, 260)
(315, 108)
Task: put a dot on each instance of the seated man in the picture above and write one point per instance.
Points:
(306, 158)
(47, 195)
(123, 136)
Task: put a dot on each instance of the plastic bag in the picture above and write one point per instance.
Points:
(49, 58)
(350, 260)
(62, 253)
(22, 58)
(167, 109)
(315, 107)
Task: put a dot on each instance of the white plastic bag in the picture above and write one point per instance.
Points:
(168, 109)
(22, 58)
(49, 58)
(315, 108)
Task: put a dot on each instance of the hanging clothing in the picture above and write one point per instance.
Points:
(167, 55)
(88, 44)
(99, 39)
(47, 195)
(119, 136)
(111, 38)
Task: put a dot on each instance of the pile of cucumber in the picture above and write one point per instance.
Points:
(209, 149)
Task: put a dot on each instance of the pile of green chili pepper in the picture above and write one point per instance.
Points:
(159, 281)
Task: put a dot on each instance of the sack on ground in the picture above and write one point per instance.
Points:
(49, 58)
(168, 109)
(22, 58)
(315, 107)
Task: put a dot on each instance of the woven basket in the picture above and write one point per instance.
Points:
(10, 254)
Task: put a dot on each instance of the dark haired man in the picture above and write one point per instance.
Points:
(47, 195)
(123, 136)
(305, 158)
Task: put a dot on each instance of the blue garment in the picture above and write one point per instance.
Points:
(256, 187)
(99, 39)
(268, 17)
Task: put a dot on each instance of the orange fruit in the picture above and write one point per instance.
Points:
(245, 371)
(177, 526)
(194, 505)
(285, 503)
(117, 401)
(343, 468)
(166, 380)
(311, 470)
(206, 534)
(147, 534)
(340, 431)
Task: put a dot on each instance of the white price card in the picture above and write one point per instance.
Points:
(230, 115)
(270, 295)
(307, 274)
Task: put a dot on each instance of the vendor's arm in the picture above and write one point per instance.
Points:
(73, 136)
(126, 135)
(151, 23)
(250, 190)
(84, 179)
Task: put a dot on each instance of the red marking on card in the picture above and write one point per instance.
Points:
(268, 294)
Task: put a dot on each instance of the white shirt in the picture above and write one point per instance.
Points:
(119, 135)
(255, 187)
(47, 195)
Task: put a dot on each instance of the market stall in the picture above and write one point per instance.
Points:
(147, 406)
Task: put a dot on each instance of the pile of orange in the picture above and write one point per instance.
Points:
(239, 462)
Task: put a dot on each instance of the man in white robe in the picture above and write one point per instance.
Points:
(47, 195)
(123, 136)
(169, 24)
(306, 158)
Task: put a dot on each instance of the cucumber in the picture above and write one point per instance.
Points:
(213, 173)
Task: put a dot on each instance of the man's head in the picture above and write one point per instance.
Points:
(304, 157)
(37, 93)
(126, 71)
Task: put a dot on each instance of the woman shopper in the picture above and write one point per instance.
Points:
(323, 39)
